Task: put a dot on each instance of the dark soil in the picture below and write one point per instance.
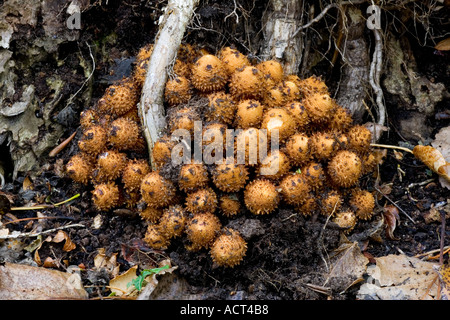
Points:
(285, 250)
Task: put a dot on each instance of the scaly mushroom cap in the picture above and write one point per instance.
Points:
(110, 165)
(291, 91)
(133, 173)
(155, 238)
(359, 138)
(275, 165)
(214, 137)
(229, 204)
(313, 85)
(173, 221)
(93, 140)
(177, 91)
(105, 196)
(275, 96)
(320, 107)
(281, 120)
(272, 72)
(221, 108)
(192, 176)
(298, 149)
(341, 120)
(331, 202)
(79, 168)
(233, 59)
(295, 189)
(345, 168)
(123, 134)
(245, 83)
(202, 229)
(202, 200)
(151, 214)
(230, 176)
(119, 98)
(157, 191)
(142, 59)
(314, 174)
(323, 145)
(248, 144)
(162, 151)
(183, 118)
(228, 249)
(249, 113)
(363, 203)
(261, 196)
(299, 112)
(91, 117)
(345, 219)
(209, 74)
(308, 207)
(182, 68)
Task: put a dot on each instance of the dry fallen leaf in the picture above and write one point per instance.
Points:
(109, 263)
(430, 156)
(348, 264)
(62, 236)
(23, 282)
(391, 220)
(27, 184)
(443, 45)
(399, 277)
(119, 285)
(434, 160)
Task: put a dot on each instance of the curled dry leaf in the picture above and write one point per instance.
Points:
(62, 236)
(433, 159)
(443, 45)
(109, 263)
(391, 219)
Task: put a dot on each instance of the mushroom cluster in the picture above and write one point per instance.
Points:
(316, 169)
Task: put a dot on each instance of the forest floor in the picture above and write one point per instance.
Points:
(286, 251)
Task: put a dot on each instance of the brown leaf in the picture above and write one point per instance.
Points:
(391, 218)
(430, 156)
(62, 236)
(443, 45)
(348, 264)
(23, 282)
(399, 277)
(27, 184)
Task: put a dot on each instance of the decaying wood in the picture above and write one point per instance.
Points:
(354, 83)
(281, 21)
(173, 23)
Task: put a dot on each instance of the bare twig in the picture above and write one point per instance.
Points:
(324, 12)
(35, 234)
(374, 76)
(173, 23)
(403, 211)
(62, 145)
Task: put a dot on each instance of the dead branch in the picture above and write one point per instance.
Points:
(173, 23)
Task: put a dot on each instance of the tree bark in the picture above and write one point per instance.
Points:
(281, 21)
(173, 23)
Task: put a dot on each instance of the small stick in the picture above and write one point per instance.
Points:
(45, 206)
(403, 211)
(390, 147)
(62, 145)
(36, 218)
(35, 234)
